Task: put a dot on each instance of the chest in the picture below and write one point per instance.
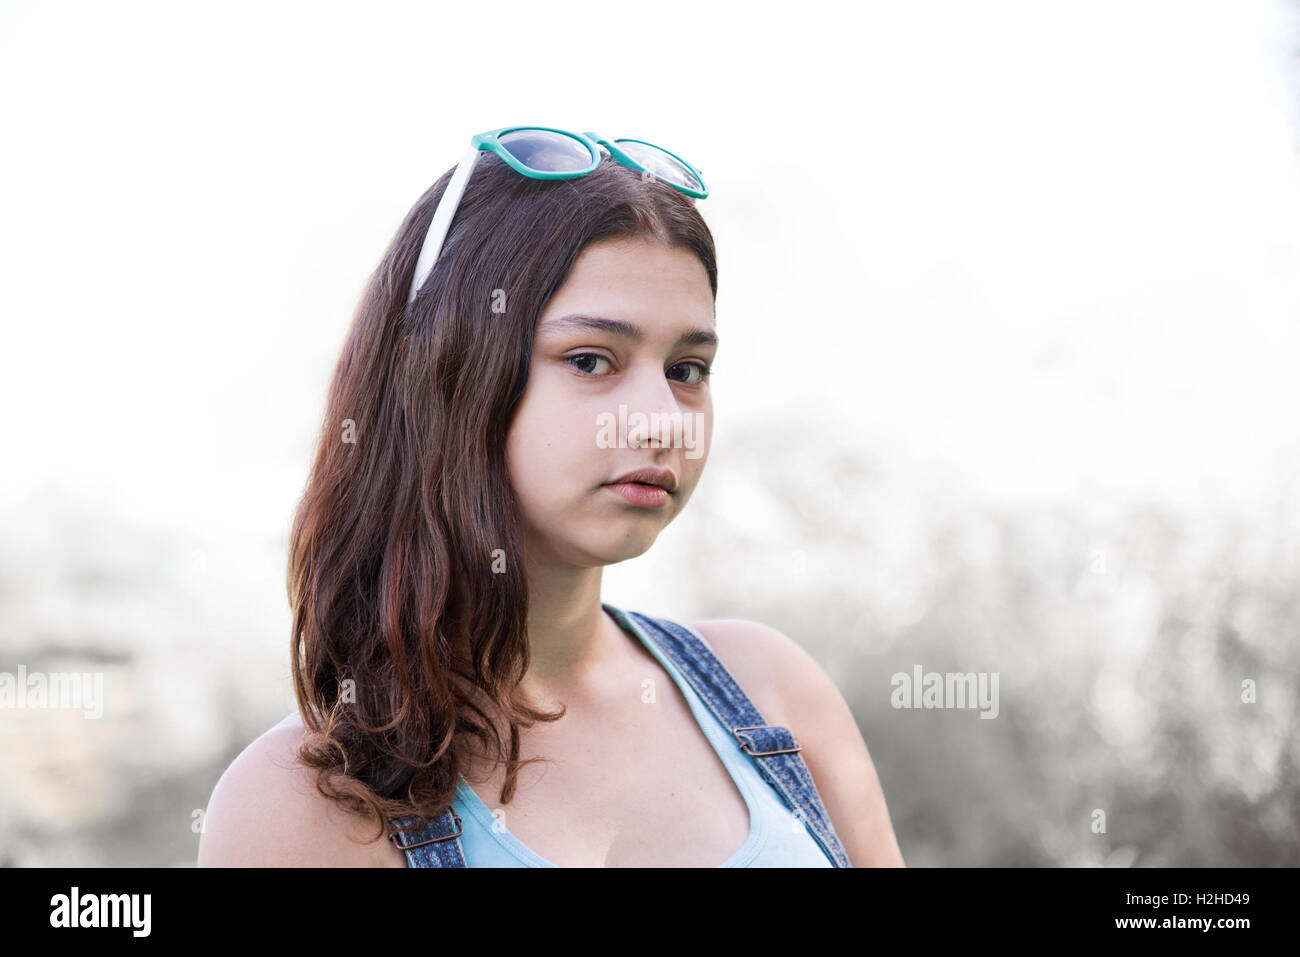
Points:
(630, 782)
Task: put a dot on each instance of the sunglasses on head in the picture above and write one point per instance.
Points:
(543, 152)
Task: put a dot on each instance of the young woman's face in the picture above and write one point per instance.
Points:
(602, 402)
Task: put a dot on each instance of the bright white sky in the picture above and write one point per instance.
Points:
(1042, 248)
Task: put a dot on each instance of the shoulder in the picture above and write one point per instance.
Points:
(265, 811)
(777, 673)
(791, 689)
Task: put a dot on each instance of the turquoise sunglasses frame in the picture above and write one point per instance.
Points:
(491, 142)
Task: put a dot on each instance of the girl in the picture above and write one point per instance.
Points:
(524, 398)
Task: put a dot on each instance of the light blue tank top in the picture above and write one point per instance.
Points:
(776, 836)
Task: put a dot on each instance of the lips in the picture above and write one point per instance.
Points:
(660, 478)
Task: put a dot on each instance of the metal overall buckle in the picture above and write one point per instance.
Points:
(744, 745)
(433, 840)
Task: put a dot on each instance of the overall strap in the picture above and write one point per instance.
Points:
(773, 748)
(432, 844)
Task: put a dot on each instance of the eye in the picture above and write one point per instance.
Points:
(702, 370)
(591, 361)
(587, 357)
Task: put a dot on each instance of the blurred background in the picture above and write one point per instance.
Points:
(1008, 301)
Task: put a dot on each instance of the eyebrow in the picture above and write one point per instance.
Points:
(623, 329)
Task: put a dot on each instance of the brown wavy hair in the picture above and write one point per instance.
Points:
(405, 636)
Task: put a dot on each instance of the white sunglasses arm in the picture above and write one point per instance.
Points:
(442, 218)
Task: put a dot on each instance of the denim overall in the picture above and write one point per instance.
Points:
(772, 748)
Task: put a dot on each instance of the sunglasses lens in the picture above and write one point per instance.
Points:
(546, 151)
(661, 164)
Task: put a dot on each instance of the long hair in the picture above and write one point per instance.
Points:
(405, 575)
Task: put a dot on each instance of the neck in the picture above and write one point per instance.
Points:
(569, 634)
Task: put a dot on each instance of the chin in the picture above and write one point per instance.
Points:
(611, 551)
(634, 548)
(603, 537)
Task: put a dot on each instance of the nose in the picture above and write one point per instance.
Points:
(654, 415)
